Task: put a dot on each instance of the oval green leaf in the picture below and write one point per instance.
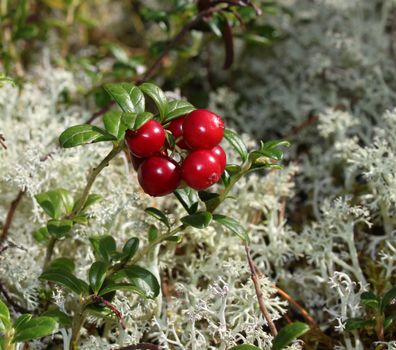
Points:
(177, 109)
(232, 225)
(387, 298)
(128, 96)
(289, 333)
(143, 279)
(130, 248)
(59, 228)
(97, 275)
(158, 214)
(158, 96)
(357, 323)
(198, 220)
(111, 287)
(245, 347)
(35, 328)
(237, 143)
(64, 279)
(83, 134)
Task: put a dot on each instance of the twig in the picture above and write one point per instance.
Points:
(112, 308)
(259, 293)
(9, 300)
(306, 123)
(157, 63)
(2, 141)
(140, 346)
(10, 215)
(301, 310)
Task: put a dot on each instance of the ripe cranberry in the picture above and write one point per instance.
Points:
(221, 157)
(201, 169)
(176, 128)
(136, 161)
(147, 140)
(159, 175)
(202, 129)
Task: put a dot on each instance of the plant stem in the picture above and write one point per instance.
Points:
(95, 172)
(78, 321)
(49, 252)
(259, 293)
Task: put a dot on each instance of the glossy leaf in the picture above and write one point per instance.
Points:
(111, 287)
(269, 150)
(116, 123)
(91, 200)
(64, 320)
(56, 202)
(83, 134)
(97, 275)
(158, 96)
(232, 225)
(41, 235)
(66, 264)
(80, 219)
(64, 279)
(143, 279)
(59, 228)
(188, 199)
(198, 220)
(158, 214)
(5, 321)
(128, 96)
(177, 108)
(387, 298)
(141, 119)
(370, 299)
(237, 143)
(152, 233)
(130, 248)
(21, 320)
(245, 347)
(358, 323)
(34, 328)
(106, 247)
(288, 334)
(389, 321)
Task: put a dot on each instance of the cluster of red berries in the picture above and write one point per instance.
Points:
(200, 162)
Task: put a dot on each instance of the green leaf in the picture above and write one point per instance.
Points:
(130, 248)
(128, 96)
(245, 347)
(59, 228)
(358, 323)
(64, 320)
(80, 219)
(289, 333)
(152, 233)
(91, 200)
(237, 143)
(141, 119)
(83, 134)
(5, 321)
(97, 275)
(188, 199)
(66, 264)
(21, 320)
(158, 96)
(212, 200)
(232, 225)
(387, 299)
(177, 109)
(158, 214)
(112, 286)
(116, 123)
(41, 235)
(34, 328)
(269, 150)
(64, 279)
(198, 220)
(370, 299)
(143, 279)
(56, 202)
(106, 247)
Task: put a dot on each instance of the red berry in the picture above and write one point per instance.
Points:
(176, 128)
(136, 161)
(147, 140)
(221, 157)
(202, 129)
(159, 175)
(201, 169)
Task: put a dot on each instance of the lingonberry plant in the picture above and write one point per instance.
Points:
(174, 149)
